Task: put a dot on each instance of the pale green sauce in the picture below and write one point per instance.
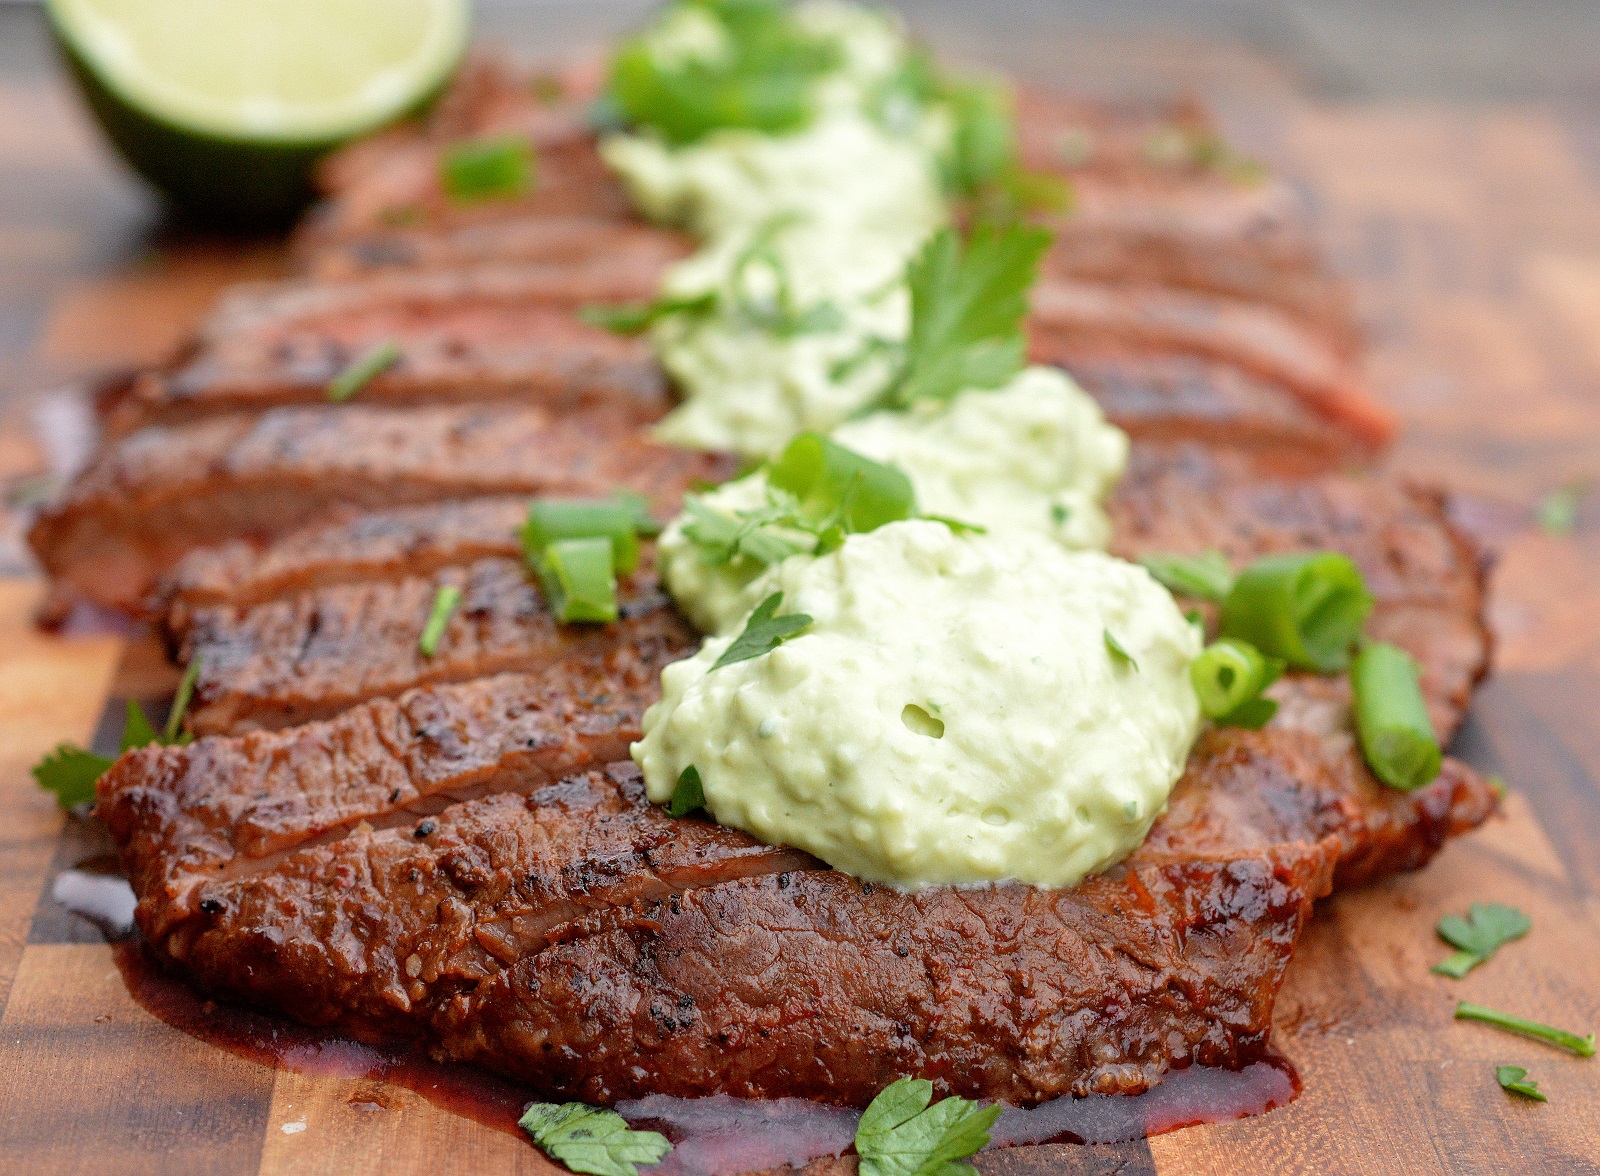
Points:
(953, 715)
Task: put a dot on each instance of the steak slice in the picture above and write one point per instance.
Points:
(1426, 576)
(477, 335)
(577, 938)
(1075, 319)
(158, 493)
(316, 653)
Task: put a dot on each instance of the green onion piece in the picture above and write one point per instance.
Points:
(1392, 721)
(488, 169)
(1560, 1038)
(578, 579)
(1228, 678)
(1306, 608)
(688, 793)
(1204, 577)
(835, 483)
(1515, 1079)
(445, 601)
(365, 367)
(180, 702)
(554, 519)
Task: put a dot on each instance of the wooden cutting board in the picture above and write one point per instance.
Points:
(1475, 242)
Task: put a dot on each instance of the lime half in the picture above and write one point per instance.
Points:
(226, 105)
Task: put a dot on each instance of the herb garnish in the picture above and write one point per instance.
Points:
(633, 318)
(363, 370)
(762, 78)
(1558, 510)
(579, 577)
(774, 311)
(1118, 654)
(1487, 927)
(688, 794)
(501, 168)
(1560, 1038)
(1516, 1080)
(763, 632)
(1304, 607)
(900, 1134)
(967, 306)
(71, 772)
(593, 1141)
(1229, 677)
(1392, 723)
(445, 601)
(1204, 577)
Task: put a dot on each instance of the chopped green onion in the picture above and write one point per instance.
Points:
(488, 169)
(632, 318)
(363, 369)
(1515, 1079)
(1229, 677)
(614, 519)
(837, 484)
(1205, 577)
(579, 580)
(445, 601)
(1306, 608)
(1392, 721)
(1560, 1038)
(180, 702)
(688, 794)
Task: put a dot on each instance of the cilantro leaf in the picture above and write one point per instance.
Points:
(633, 318)
(1118, 654)
(688, 794)
(957, 527)
(967, 306)
(763, 633)
(1487, 927)
(1515, 1079)
(902, 1135)
(71, 773)
(1205, 577)
(590, 1140)
(775, 312)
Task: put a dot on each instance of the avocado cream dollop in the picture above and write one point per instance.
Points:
(1035, 456)
(956, 712)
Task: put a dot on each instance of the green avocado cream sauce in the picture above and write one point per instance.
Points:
(980, 693)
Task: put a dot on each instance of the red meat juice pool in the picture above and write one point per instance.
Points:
(711, 1136)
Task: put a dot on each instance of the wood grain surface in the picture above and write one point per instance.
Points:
(1474, 239)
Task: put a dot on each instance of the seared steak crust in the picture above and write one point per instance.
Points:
(314, 654)
(158, 493)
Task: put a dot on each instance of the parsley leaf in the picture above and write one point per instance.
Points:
(633, 318)
(688, 794)
(1205, 577)
(762, 76)
(1487, 927)
(763, 633)
(1118, 654)
(967, 306)
(590, 1140)
(72, 772)
(902, 1135)
(1516, 1080)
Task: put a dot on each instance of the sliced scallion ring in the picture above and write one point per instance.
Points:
(1392, 721)
(1228, 677)
(1304, 607)
(578, 579)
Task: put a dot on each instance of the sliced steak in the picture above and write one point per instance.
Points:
(582, 941)
(160, 492)
(483, 335)
(316, 653)
(382, 545)
(1078, 319)
(1426, 576)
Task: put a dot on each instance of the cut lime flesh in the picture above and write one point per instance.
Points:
(226, 105)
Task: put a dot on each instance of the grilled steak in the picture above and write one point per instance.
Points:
(314, 654)
(1073, 319)
(483, 335)
(153, 495)
(578, 939)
